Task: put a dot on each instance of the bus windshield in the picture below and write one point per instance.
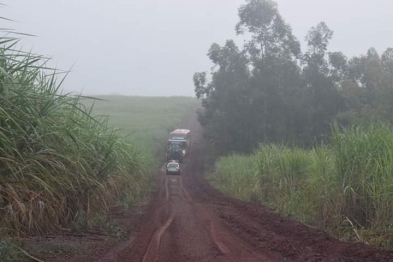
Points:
(174, 146)
(177, 137)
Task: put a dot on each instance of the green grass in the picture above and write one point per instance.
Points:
(61, 162)
(56, 159)
(146, 120)
(345, 188)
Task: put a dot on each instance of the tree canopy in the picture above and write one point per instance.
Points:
(269, 91)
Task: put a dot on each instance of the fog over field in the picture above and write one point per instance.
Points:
(153, 47)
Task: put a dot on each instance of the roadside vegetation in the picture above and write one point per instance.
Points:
(344, 188)
(304, 132)
(57, 161)
(62, 163)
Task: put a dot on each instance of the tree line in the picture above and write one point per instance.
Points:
(269, 91)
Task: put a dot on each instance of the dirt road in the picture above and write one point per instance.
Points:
(190, 221)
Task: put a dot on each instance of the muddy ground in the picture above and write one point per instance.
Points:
(188, 220)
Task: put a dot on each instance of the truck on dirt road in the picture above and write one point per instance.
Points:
(178, 145)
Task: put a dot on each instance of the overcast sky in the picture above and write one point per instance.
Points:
(153, 47)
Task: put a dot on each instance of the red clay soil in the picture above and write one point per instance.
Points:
(190, 221)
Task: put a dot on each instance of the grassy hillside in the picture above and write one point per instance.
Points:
(146, 121)
(345, 189)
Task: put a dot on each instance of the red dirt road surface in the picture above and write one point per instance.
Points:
(190, 221)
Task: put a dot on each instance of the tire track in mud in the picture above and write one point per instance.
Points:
(174, 187)
(152, 253)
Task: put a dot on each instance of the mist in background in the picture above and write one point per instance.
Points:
(153, 47)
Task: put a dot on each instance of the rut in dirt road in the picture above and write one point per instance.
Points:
(180, 229)
(190, 221)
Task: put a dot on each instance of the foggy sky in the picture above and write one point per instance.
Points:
(153, 47)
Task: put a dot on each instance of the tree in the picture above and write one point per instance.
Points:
(224, 98)
(338, 64)
(317, 40)
(270, 35)
(275, 74)
(387, 63)
(324, 100)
